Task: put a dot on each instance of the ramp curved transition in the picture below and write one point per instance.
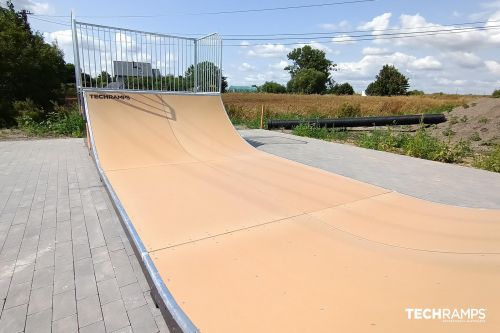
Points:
(249, 242)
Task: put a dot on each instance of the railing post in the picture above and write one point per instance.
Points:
(76, 58)
(220, 66)
(195, 68)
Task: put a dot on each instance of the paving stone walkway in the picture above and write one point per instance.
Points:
(66, 264)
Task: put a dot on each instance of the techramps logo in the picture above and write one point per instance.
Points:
(105, 96)
(447, 315)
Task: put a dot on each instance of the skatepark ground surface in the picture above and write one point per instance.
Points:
(304, 273)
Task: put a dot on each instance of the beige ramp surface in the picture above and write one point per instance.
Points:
(249, 242)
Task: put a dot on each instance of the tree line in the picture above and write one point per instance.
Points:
(310, 73)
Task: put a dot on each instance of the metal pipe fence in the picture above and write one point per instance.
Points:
(123, 59)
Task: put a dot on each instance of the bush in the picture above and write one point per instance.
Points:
(311, 131)
(320, 132)
(272, 87)
(28, 109)
(348, 110)
(490, 162)
(62, 122)
(421, 145)
(415, 93)
(342, 89)
(496, 93)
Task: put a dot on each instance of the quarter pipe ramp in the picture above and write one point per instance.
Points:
(236, 240)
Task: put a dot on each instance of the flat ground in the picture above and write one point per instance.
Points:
(66, 264)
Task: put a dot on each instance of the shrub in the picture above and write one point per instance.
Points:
(62, 122)
(496, 93)
(421, 145)
(272, 87)
(415, 93)
(349, 110)
(342, 89)
(490, 162)
(28, 108)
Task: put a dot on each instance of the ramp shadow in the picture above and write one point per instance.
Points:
(160, 105)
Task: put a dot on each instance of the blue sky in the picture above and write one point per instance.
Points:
(468, 62)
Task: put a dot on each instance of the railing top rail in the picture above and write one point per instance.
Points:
(137, 31)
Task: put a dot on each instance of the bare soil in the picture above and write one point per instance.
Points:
(479, 124)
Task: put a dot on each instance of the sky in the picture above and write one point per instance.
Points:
(461, 62)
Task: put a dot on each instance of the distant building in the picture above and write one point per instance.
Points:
(242, 89)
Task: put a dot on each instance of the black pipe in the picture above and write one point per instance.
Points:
(360, 121)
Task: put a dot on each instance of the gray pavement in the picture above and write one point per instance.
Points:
(433, 181)
(66, 264)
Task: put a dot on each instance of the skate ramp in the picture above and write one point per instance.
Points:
(249, 242)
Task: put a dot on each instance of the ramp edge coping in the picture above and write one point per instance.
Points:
(169, 303)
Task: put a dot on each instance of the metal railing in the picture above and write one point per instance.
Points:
(123, 59)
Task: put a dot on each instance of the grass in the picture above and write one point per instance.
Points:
(490, 162)
(420, 144)
(64, 121)
(245, 108)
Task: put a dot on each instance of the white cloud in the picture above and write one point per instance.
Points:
(367, 67)
(375, 51)
(64, 40)
(268, 51)
(280, 65)
(380, 22)
(464, 59)
(426, 63)
(343, 39)
(447, 82)
(33, 6)
(493, 66)
(259, 78)
(316, 45)
(461, 41)
(246, 67)
(342, 25)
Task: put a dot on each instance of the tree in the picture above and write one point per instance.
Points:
(70, 73)
(272, 87)
(309, 63)
(208, 77)
(307, 81)
(342, 89)
(388, 82)
(103, 79)
(29, 67)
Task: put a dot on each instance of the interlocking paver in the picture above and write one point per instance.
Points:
(115, 316)
(40, 299)
(142, 320)
(13, 319)
(104, 270)
(89, 311)
(108, 291)
(65, 260)
(64, 304)
(18, 294)
(39, 322)
(65, 325)
(132, 296)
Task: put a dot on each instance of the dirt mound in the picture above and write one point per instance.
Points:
(478, 123)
